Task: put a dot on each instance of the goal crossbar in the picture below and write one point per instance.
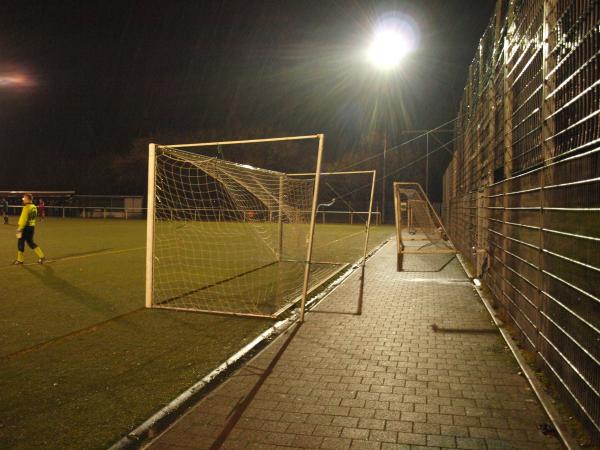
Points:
(246, 141)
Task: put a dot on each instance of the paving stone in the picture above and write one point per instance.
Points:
(470, 443)
(466, 421)
(387, 446)
(327, 431)
(365, 445)
(372, 424)
(412, 438)
(426, 428)
(278, 439)
(355, 433)
(387, 414)
(382, 380)
(348, 422)
(383, 436)
(397, 425)
(413, 417)
(319, 419)
(443, 419)
(483, 432)
(303, 441)
(301, 428)
(336, 443)
(362, 412)
(454, 430)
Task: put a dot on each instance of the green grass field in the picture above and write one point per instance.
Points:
(82, 362)
(238, 268)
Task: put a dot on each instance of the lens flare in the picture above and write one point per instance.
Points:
(15, 80)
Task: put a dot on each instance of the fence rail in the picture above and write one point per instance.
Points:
(86, 212)
(522, 192)
(96, 212)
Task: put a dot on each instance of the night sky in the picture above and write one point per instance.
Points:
(82, 83)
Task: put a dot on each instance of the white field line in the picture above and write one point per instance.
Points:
(340, 239)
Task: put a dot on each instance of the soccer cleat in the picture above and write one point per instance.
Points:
(16, 262)
(42, 260)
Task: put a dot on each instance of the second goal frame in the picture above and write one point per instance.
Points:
(367, 224)
(436, 235)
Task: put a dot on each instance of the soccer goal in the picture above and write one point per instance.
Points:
(230, 238)
(422, 241)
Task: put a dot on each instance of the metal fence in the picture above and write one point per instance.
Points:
(522, 192)
(97, 212)
(85, 212)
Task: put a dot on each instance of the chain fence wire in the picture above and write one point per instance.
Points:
(522, 192)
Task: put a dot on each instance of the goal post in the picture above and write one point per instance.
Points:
(230, 238)
(150, 215)
(419, 230)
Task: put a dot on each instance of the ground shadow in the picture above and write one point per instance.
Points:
(48, 277)
(239, 409)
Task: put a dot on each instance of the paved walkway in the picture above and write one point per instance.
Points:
(381, 380)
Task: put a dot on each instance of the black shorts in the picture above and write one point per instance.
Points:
(26, 236)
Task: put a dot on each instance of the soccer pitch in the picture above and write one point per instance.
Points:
(83, 362)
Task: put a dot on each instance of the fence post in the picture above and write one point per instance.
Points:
(548, 130)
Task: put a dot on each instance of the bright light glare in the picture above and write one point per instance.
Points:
(388, 49)
(15, 80)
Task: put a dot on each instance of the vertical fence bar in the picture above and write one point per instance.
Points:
(398, 220)
(280, 220)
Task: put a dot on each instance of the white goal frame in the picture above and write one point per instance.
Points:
(151, 217)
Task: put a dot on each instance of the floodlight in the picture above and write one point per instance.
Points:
(388, 48)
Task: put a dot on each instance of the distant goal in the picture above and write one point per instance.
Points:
(422, 242)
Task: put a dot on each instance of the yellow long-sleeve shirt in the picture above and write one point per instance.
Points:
(28, 216)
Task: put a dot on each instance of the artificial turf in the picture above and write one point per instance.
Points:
(82, 362)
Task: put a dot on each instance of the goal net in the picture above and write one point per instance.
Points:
(228, 237)
(422, 242)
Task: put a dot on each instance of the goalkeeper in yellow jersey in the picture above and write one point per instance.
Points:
(26, 229)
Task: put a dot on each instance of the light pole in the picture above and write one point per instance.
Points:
(384, 179)
(392, 41)
(427, 164)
